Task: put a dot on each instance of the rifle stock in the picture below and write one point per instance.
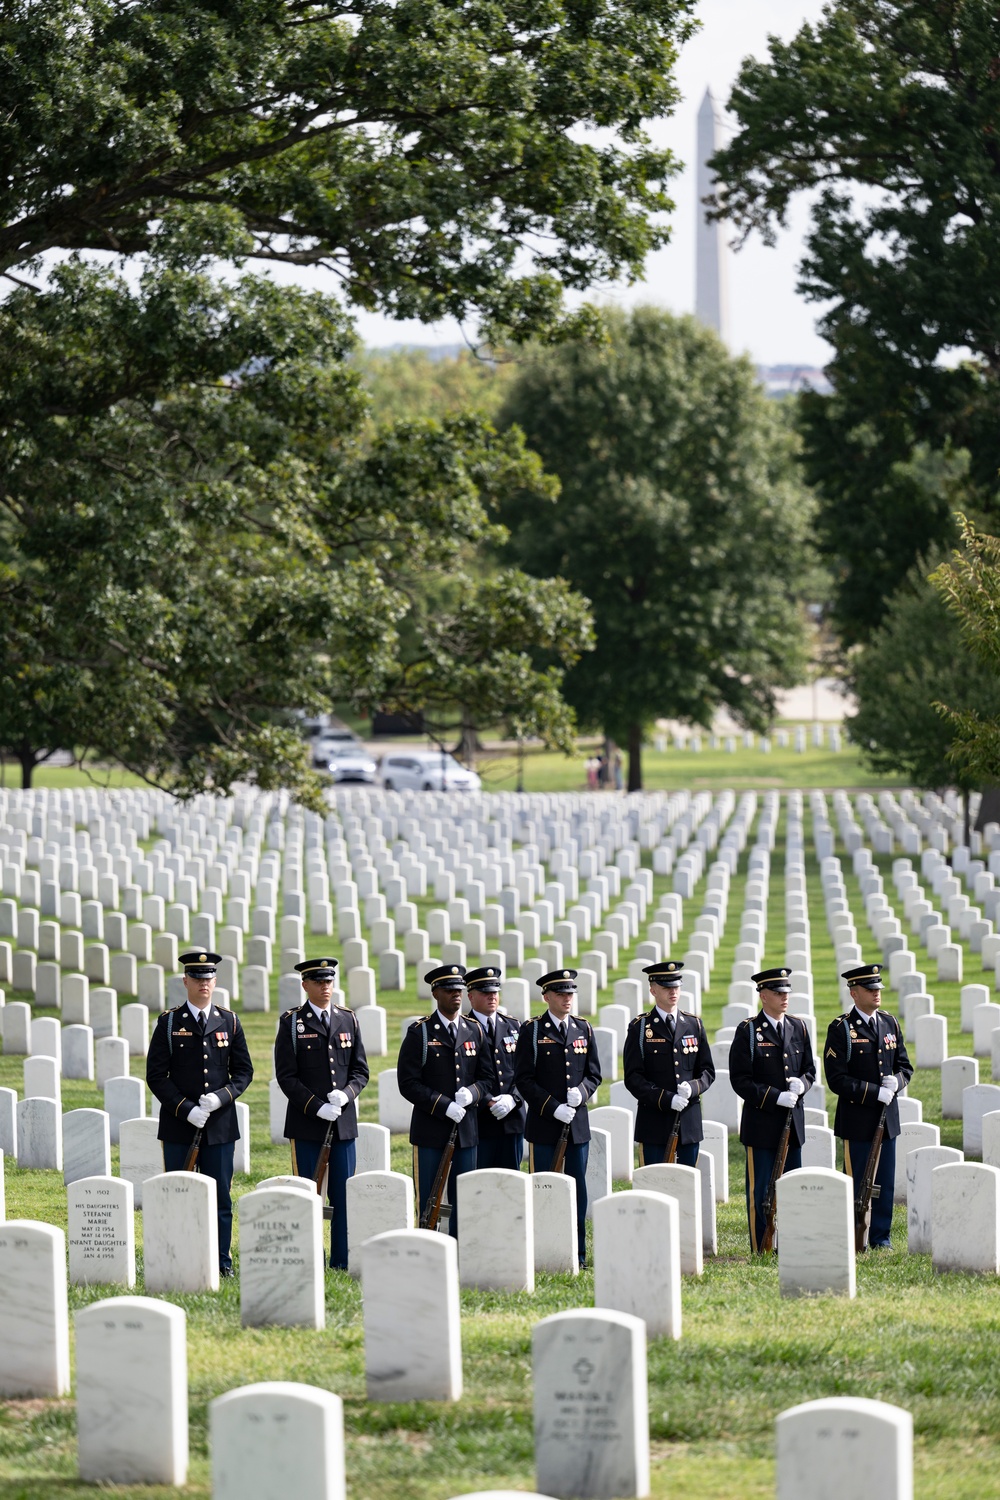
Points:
(674, 1138)
(432, 1211)
(863, 1202)
(771, 1196)
(559, 1160)
(324, 1158)
(191, 1160)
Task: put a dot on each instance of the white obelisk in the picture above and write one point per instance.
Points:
(711, 293)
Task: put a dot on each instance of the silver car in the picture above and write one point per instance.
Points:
(426, 771)
(346, 762)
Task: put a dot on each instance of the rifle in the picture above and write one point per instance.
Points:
(191, 1160)
(863, 1202)
(432, 1209)
(674, 1138)
(323, 1162)
(559, 1160)
(771, 1196)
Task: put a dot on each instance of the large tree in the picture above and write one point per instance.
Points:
(969, 585)
(887, 112)
(681, 516)
(200, 532)
(440, 156)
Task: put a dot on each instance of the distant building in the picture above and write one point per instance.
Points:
(711, 280)
(788, 380)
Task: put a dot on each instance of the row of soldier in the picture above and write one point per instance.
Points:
(481, 1083)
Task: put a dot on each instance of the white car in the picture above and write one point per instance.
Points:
(426, 771)
(330, 743)
(346, 762)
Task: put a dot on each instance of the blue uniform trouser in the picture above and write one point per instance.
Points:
(760, 1165)
(855, 1163)
(654, 1153)
(215, 1162)
(425, 1164)
(343, 1162)
(575, 1166)
(502, 1151)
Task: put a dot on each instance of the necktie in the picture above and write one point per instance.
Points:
(562, 1031)
(779, 1027)
(201, 1022)
(452, 1031)
(669, 1023)
(492, 1029)
(324, 1016)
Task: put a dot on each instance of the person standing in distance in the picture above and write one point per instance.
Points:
(444, 1067)
(501, 1119)
(198, 1065)
(771, 1067)
(668, 1066)
(321, 1068)
(866, 1066)
(556, 1070)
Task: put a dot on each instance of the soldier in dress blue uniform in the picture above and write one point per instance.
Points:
(321, 1068)
(444, 1067)
(198, 1065)
(771, 1067)
(501, 1119)
(866, 1065)
(556, 1070)
(668, 1065)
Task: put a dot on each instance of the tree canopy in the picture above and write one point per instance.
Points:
(440, 156)
(969, 585)
(199, 532)
(680, 516)
(888, 113)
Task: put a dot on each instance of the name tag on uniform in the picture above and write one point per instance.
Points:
(179, 1032)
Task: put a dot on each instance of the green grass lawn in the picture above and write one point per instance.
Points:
(921, 1341)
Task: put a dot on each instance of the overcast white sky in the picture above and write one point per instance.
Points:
(767, 317)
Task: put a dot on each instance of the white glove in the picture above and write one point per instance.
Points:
(886, 1095)
(685, 1089)
(890, 1082)
(796, 1087)
(786, 1099)
(564, 1114)
(455, 1112)
(501, 1106)
(464, 1097)
(329, 1112)
(211, 1102)
(337, 1096)
(574, 1098)
(199, 1117)
(679, 1101)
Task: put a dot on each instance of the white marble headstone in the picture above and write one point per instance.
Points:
(413, 1348)
(275, 1439)
(101, 1232)
(620, 1125)
(281, 1258)
(637, 1258)
(132, 1392)
(496, 1251)
(965, 1218)
(591, 1405)
(598, 1169)
(554, 1213)
(140, 1153)
(377, 1203)
(39, 1134)
(920, 1166)
(815, 1233)
(180, 1233)
(824, 1446)
(373, 1148)
(684, 1184)
(911, 1138)
(34, 1315)
(86, 1144)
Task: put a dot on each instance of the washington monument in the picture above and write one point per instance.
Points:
(711, 293)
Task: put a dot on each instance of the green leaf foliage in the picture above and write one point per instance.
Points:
(969, 587)
(887, 113)
(201, 531)
(680, 516)
(440, 156)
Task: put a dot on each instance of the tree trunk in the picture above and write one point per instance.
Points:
(27, 762)
(635, 757)
(469, 742)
